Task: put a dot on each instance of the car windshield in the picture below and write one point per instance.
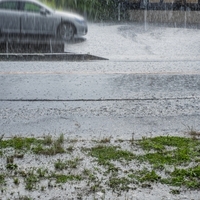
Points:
(33, 6)
(46, 7)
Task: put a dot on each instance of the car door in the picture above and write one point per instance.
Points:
(9, 17)
(37, 20)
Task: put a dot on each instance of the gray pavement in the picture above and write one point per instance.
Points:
(149, 86)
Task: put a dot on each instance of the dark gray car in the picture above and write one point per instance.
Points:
(30, 17)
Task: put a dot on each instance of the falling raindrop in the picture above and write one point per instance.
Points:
(185, 19)
(145, 19)
(119, 5)
(7, 48)
(50, 46)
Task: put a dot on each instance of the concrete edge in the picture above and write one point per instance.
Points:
(49, 57)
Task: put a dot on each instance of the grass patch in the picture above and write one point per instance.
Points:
(145, 176)
(24, 198)
(48, 140)
(11, 166)
(62, 178)
(88, 174)
(183, 150)
(2, 179)
(160, 143)
(108, 153)
(136, 178)
(70, 148)
(105, 140)
(16, 181)
(31, 180)
(118, 184)
(56, 148)
(38, 146)
(189, 178)
(167, 160)
(60, 165)
(19, 143)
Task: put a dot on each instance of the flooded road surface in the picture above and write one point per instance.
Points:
(149, 86)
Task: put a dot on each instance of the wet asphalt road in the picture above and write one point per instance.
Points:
(149, 87)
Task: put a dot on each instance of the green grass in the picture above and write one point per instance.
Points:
(160, 143)
(105, 140)
(19, 143)
(184, 150)
(31, 180)
(16, 181)
(72, 164)
(24, 198)
(2, 179)
(46, 146)
(88, 174)
(62, 178)
(109, 153)
(189, 178)
(145, 176)
(56, 148)
(118, 184)
(106, 154)
(158, 155)
(11, 166)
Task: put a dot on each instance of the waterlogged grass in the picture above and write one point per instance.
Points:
(119, 169)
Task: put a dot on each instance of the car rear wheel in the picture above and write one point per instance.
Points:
(66, 31)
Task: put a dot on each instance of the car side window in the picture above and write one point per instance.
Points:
(32, 7)
(9, 5)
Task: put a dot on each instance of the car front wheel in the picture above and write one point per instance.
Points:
(66, 31)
